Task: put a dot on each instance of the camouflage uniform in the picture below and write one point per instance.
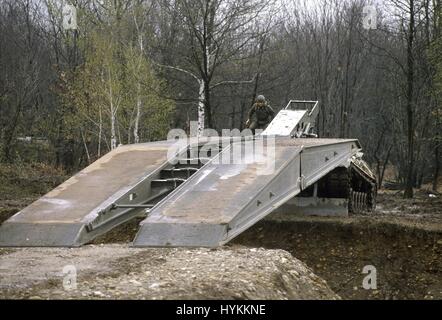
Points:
(260, 115)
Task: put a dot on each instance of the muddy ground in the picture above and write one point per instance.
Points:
(402, 239)
(407, 261)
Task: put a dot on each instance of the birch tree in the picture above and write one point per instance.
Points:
(217, 31)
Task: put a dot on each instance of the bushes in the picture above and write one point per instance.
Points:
(27, 180)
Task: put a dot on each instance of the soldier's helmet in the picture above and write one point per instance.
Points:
(260, 98)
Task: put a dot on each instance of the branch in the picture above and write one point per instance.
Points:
(234, 82)
(178, 69)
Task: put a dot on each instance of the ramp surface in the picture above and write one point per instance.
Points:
(60, 217)
(285, 122)
(223, 199)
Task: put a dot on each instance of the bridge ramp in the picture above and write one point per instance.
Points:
(62, 216)
(223, 199)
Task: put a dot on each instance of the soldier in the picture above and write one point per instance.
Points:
(260, 114)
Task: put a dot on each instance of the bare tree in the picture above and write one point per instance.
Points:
(217, 31)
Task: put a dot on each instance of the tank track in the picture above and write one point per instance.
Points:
(362, 187)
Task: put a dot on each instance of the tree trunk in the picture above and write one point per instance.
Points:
(100, 130)
(241, 115)
(384, 166)
(201, 107)
(408, 193)
(436, 168)
(232, 117)
(85, 147)
(137, 117)
(207, 106)
(113, 133)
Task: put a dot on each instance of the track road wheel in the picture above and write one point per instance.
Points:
(359, 202)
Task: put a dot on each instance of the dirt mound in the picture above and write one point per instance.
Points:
(117, 271)
(407, 258)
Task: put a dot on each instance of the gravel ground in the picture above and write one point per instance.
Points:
(116, 271)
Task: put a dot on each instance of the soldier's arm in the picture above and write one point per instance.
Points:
(251, 111)
(271, 111)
